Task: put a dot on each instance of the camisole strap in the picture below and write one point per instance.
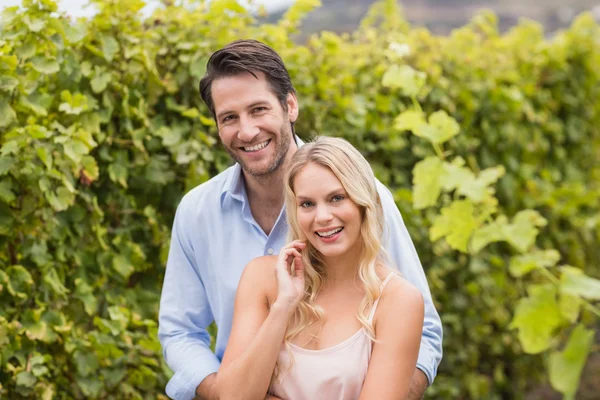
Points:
(374, 308)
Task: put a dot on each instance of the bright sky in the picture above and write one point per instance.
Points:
(76, 7)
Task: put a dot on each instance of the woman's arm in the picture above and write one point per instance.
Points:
(258, 331)
(398, 326)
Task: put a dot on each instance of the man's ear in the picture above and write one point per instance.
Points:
(292, 107)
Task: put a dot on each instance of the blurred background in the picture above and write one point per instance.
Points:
(439, 16)
(102, 131)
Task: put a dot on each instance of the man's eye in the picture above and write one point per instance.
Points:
(259, 109)
(227, 119)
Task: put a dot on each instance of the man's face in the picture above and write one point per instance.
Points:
(253, 126)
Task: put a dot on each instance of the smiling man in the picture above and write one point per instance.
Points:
(238, 215)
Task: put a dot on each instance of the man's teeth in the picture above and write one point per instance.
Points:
(257, 147)
(329, 233)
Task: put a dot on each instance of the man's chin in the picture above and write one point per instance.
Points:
(256, 170)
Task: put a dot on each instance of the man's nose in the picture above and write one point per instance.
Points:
(248, 129)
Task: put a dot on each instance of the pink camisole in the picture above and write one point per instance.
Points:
(337, 372)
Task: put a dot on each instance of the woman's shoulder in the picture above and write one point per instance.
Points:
(259, 268)
(260, 273)
(399, 293)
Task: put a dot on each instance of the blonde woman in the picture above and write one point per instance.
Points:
(327, 318)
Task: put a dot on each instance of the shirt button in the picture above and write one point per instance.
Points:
(270, 251)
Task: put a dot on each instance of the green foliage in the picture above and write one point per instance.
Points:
(102, 131)
(465, 221)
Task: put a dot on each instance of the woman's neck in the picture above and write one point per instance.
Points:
(341, 269)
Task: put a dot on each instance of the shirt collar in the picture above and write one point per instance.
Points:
(234, 186)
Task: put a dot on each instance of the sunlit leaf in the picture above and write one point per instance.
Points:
(90, 167)
(6, 193)
(44, 65)
(565, 367)
(110, 47)
(440, 128)
(123, 266)
(427, 185)
(34, 24)
(100, 82)
(537, 317)
(85, 294)
(39, 103)
(574, 282)
(456, 223)
(75, 149)
(7, 114)
(20, 279)
(8, 83)
(55, 282)
(523, 264)
(45, 156)
(86, 362)
(61, 199)
(404, 77)
(455, 174)
(569, 306)
(73, 104)
(25, 379)
(409, 120)
(477, 188)
(5, 164)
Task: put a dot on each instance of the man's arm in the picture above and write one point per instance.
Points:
(402, 252)
(418, 385)
(185, 313)
(207, 390)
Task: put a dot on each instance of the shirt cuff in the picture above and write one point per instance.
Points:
(425, 363)
(183, 384)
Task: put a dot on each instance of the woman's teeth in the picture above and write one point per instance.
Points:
(329, 233)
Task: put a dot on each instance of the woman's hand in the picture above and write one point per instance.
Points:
(290, 275)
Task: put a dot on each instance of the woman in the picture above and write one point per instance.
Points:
(327, 318)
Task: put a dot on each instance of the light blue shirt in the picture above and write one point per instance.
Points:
(214, 236)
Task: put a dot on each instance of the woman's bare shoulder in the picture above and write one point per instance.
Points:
(259, 268)
(399, 294)
(260, 274)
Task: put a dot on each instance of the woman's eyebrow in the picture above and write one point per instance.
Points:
(335, 191)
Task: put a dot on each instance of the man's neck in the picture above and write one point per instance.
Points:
(267, 190)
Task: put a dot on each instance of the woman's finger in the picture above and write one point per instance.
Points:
(298, 267)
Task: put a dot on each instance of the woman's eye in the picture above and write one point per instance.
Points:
(337, 197)
(306, 204)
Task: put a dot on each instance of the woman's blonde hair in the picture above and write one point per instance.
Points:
(357, 178)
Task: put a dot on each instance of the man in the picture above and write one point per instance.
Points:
(238, 215)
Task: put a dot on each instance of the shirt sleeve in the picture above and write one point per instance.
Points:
(184, 315)
(403, 254)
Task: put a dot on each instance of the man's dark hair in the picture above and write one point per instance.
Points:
(247, 56)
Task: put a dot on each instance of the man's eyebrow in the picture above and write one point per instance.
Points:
(258, 103)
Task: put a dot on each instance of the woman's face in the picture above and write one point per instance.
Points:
(327, 216)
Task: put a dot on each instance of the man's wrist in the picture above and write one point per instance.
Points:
(206, 390)
(418, 385)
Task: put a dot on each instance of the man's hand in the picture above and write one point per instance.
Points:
(418, 385)
(207, 389)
